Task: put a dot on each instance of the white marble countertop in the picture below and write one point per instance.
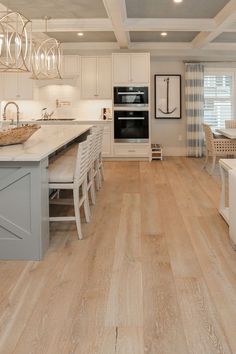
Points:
(60, 121)
(44, 142)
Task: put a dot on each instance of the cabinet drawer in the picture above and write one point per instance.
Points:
(132, 150)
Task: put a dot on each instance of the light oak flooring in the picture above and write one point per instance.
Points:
(155, 274)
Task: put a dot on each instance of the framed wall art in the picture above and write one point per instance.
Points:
(168, 96)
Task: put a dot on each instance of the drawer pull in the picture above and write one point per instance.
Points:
(131, 150)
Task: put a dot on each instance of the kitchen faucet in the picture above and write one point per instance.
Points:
(17, 111)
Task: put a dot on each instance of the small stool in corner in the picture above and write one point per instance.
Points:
(157, 152)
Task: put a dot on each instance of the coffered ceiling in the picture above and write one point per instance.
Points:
(191, 26)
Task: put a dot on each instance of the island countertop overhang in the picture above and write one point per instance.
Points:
(47, 140)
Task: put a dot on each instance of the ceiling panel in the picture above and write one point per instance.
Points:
(169, 9)
(68, 37)
(58, 8)
(227, 37)
(151, 36)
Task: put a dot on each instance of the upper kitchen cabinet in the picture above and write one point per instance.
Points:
(132, 68)
(70, 65)
(17, 86)
(96, 77)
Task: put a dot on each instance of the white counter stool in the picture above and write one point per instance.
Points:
(98, 164)
(90, 174)
(68, 172)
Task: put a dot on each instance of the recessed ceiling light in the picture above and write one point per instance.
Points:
(163, 34)
(178, 1)
(80, 34)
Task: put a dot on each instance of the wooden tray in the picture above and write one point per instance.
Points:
(18, 135)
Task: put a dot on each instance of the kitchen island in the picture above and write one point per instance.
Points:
(24, 202)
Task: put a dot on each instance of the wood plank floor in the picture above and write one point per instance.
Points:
(155, 273)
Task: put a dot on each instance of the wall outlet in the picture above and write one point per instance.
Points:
(180, 138)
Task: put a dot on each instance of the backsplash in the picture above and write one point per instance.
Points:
(74, 107)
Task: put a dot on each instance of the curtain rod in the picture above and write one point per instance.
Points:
(208, 61)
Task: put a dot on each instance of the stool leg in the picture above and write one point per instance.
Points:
(86, 201)
(77, 213)
(92, 189)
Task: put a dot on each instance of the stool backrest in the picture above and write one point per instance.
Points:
(91, 142)
(81, 166)
(209, 137)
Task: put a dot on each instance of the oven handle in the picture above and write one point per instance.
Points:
(131, 93)
(131, 118)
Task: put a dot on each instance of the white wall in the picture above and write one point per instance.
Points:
(171, 133)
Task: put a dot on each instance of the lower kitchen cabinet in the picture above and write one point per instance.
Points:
(141, 150)
(106, 145)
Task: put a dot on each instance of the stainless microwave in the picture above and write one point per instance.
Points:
(130, 96)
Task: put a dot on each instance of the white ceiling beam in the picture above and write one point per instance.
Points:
(223, 20)
(90, 46)
(160, 46)
(221, 46)
(72, 25)
(169, 24)
(116, 10)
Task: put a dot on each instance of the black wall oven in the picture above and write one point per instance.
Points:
(131, 126)
(130, 96)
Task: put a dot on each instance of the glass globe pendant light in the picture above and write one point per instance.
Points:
(46, 58)
(15, 43)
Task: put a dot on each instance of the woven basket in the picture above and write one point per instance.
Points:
(19, 135)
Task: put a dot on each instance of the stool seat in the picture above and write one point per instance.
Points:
(62, 169)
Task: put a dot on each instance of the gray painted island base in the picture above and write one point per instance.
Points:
(24, 193)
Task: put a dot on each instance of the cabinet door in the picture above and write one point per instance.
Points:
(1, 86)
(121, 68)
(89, 77)
(106, 144)
(18, 86)
(70, 65)
(104, 77)
(139, 68)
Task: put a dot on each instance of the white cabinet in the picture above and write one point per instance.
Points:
(106, 144)
(96, 77)
(17, 86)
(134, 150)
(133, 68)
(70, 65)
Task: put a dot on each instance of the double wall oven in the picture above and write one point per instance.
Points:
(131, 115)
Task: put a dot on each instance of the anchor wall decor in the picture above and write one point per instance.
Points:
(167, 96)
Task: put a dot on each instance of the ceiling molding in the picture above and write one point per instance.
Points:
(223, 20)
(116, 11)
(72, 25)
(221, 46)
(90, 46)
(183, 24)
(160, 46)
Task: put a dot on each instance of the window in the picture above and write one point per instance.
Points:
(218, 98)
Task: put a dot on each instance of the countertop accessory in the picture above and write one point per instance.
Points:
(15, 43)
(17, 135)
(17, 111)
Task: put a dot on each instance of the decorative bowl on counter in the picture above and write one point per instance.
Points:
(17, 135)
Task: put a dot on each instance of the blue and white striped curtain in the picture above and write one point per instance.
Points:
(194, 100)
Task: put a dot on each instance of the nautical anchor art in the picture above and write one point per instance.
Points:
(168, 109)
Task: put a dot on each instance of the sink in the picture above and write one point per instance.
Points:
(50, 119)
